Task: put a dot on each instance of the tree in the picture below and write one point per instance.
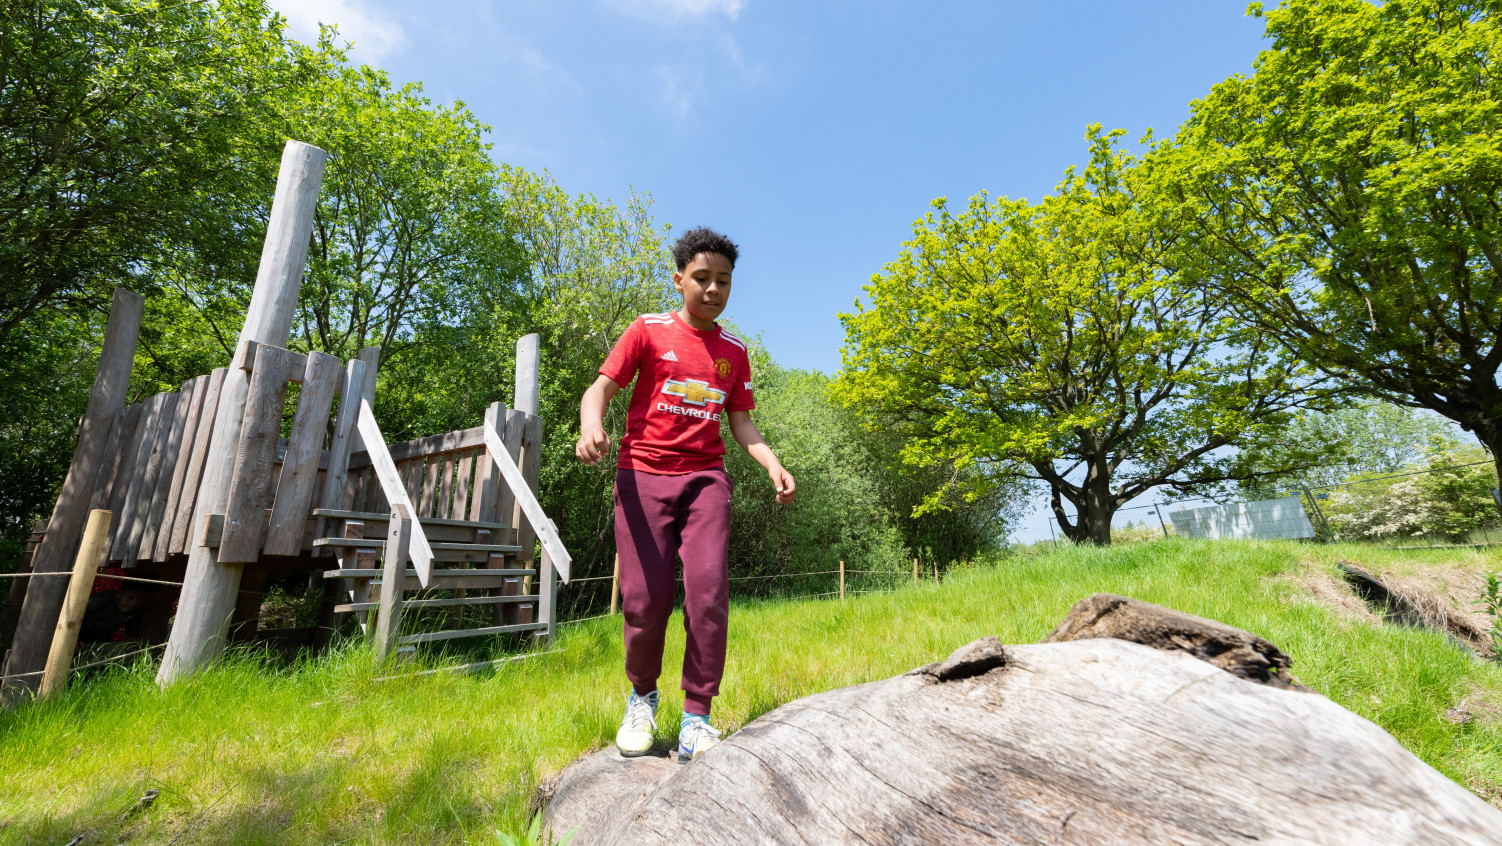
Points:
(1055, 341)
(1372, 437)
(1347, 197)
(116, 118)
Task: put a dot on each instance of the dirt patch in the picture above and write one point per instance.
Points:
(1439, 598)
(1323, 589)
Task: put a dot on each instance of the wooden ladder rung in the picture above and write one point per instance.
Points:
(429, 637)
(383, 517)
(460, 575)
(437, 603)
(379, 543)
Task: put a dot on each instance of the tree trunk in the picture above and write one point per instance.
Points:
(1202, 740)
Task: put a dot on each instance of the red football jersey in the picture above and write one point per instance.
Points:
(685, 380)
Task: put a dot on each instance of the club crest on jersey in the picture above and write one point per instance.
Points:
(694, 392)
(722, 367)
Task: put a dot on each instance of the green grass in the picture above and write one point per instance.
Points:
(321, 752)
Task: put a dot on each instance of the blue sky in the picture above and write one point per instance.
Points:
(813, 133)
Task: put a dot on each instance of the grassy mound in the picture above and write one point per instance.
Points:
(325, 752)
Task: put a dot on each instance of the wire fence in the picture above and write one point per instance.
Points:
(1451, 506)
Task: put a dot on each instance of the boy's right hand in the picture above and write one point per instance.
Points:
(593, 445)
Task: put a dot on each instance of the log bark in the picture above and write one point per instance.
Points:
(1098, 740)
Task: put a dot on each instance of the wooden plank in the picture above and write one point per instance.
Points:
(431, 445)
(487, 477)
(437, 603)
(372, 358)
(383, 516)
(122, 432)
(294, 492)
(531, 467)
(430, 487)
(297, 364)
(411, 471)
(70, 513)
(140, 448)
(430, 637)
(385, 469)
(515, 436)
(546, 531)
(171, 451)
(461, 486)
(398, 548)
(446, 488)
(140, 515)
(182, 523)
(437, 546)
(472, 578)
(125, 472)
(357, 590)
(196, 388)
(336, 493)
(250, 486)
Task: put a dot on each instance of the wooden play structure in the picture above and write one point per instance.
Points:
(205, 491)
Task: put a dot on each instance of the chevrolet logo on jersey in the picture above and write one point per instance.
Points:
(694, 392)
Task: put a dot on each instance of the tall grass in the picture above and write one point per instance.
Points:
(319, 752)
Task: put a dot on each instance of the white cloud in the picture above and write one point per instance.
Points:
(374, 33)
(675, 10)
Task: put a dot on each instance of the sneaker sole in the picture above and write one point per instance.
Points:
(632, 753)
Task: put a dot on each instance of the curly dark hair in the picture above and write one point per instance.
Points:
(703, 240)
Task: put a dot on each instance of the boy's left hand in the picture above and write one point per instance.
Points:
(782, 480)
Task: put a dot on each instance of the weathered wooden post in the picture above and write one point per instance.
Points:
(393, 580)
(615, 585)
(65, 638)
(44, 599)
(528, 369)
(842, 580)
(915, 571)
(210, 588)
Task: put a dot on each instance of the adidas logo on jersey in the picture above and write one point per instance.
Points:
(669, 356)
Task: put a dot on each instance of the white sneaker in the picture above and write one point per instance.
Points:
(695, 737)
(634, 737)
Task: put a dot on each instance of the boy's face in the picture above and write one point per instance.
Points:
(705, 285)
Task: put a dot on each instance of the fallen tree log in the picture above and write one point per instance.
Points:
(1090, 741)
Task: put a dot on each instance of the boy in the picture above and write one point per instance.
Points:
(672, 495)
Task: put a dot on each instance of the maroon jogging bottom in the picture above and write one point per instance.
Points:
(659, 518)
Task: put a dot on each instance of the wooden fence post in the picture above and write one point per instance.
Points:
(65, 639)
(842, 580)
(393, 580)
(615, 585)
(528, 369)
(44, 599)
(210, 588)
(915, 571)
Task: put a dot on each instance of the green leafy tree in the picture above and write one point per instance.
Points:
(117, 119)
(1054, 341)
(1372, 437)
(1347, 196)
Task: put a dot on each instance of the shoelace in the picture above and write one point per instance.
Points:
(699, 730)
(639, 713)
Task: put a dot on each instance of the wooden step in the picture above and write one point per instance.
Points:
(437, 603)
(429, 637)
(442, 579)
(474, 553)
(384, 516)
